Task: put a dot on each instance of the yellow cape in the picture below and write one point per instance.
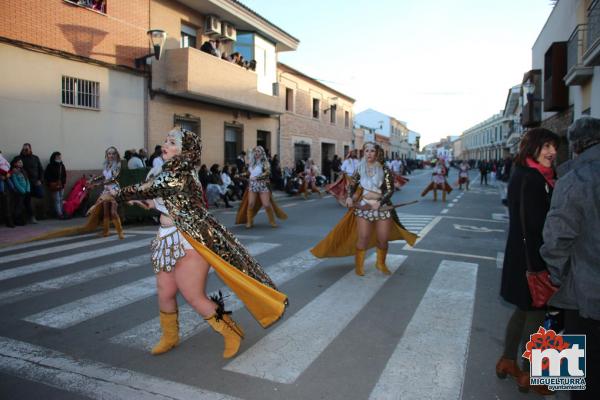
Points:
(264, 303)
(240, 218)
(341, 241)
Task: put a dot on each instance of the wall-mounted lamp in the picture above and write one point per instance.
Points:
(157, 39)
(333, 106)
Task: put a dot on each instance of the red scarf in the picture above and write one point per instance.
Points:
(547, 172)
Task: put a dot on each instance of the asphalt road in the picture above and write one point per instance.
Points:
(77, 316)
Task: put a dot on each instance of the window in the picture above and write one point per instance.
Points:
(96, 5)
(244, 45)
(263, 138)
(233, 143)
(301, 152)
(289, 99)
(332, 114)
(315, 108)
(346, 119)
(188, 36)
(187, 122)
(80, 93)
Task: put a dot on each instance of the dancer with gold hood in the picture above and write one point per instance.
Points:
(189, 242)
(258, 192)
(372, 220)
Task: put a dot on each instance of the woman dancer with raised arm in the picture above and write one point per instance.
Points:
(372, 220)
(189, 242)
(259, 192)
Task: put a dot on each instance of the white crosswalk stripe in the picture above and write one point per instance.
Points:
(432, 354)
(147, 334)
(91, 379)
(101, 303)
(71, 259)
(38, 288)
(287, 351)
(56, 249)
(29, 245)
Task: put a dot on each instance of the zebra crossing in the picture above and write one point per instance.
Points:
(281, 355)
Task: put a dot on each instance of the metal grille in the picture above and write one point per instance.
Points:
(576, 46)
(80, 93)
(593, 24)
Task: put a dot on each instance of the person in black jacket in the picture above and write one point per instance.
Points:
(34, 170)
(55, 177)
(529, 193)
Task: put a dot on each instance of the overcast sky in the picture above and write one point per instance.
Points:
(442, 66)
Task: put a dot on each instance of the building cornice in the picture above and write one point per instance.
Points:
(293, 71)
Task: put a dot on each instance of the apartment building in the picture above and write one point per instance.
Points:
(394, 129)
(486, 140)
(67, 79)
(317, 122)
(233, 108)
(564, 81)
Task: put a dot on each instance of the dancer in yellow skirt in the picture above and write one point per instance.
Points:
(371, 220)
(189, 242)
(438, 181)
(258, 192)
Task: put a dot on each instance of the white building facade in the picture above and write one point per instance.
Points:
(486, 140)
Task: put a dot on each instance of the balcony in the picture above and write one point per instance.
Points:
(592, 53)
(577, 73)
(195, 75)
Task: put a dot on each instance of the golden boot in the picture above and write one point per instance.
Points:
(444, 196)
(380, 265)
(359, 262)
(117, 223)
(271, 216)
(434, 194)
(222, 323)
(249, 217)
(169, 323)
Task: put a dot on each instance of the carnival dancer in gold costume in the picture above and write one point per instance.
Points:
(339, 189)
(372, 220)
(110, 174)
(189, 242)
(438, 181)
(309, 178)
(258, 192)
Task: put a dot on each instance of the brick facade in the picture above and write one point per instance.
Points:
(559, 124)
(117, 37)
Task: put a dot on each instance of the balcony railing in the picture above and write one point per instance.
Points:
(592, 53)
(577, 73)
(193, 74)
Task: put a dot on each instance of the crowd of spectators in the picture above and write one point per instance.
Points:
(213, 47)
(96, 5)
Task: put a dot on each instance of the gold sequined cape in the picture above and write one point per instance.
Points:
(341, 241)
(241, 216)
(181, 191)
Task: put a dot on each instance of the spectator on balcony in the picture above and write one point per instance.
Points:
(211, 46)
(99, 5)
(234, 57)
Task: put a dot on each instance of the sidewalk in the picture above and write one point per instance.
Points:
(9, 236)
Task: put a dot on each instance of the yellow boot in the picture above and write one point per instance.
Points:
(434, 195)
(381, 254)
(117, 223)
(169, 324)
(359, 262)
(271, 216)
(444, 196)
(222, 323)
(249, 217)
(105, 227)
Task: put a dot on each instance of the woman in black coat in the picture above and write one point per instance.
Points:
(529, 193)
(55, 177)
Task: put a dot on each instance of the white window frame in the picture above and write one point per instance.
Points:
(80, 93)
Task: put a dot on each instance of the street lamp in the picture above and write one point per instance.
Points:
(157, 39)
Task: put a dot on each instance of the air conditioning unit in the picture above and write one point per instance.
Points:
(228, 31)
(212, 25)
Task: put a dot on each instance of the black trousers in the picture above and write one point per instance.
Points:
(577, 325)
(483, 178)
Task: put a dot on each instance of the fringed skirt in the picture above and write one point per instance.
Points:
(168, 247)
